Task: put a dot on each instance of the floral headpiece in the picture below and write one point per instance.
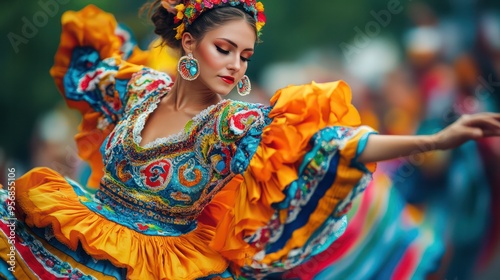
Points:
(188, 11)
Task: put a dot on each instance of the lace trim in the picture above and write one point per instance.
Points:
(177, 137)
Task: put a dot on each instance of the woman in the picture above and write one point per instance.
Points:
(186, 184)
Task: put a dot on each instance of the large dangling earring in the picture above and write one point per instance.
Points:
(244, 86)
(188, 67)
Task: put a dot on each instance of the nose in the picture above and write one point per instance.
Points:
(235, 64)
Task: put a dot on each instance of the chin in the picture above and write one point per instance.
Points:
(224, 93)
(218, 87)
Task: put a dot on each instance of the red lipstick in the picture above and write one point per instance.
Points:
(228, 79)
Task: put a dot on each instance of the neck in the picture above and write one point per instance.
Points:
(190, 96)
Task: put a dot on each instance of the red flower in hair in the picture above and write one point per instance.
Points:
(261, 17)
(208, 4)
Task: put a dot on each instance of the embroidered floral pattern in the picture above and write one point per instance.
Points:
(241, 121)
(157, 174)
(189, 174)
(220, 157)
(123, 174)
(92, 80)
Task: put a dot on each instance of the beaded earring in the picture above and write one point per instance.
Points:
(188, 67)
(244, 86)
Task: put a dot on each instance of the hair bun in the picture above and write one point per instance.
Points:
(169, 5)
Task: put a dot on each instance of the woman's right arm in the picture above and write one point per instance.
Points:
(467, 127)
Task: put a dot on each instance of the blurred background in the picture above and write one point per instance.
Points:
(414, 67)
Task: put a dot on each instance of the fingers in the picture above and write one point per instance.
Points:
(484, 120)
(488, 114)
(495, 116)
(483, 115)
(491, 132)
(474, 133)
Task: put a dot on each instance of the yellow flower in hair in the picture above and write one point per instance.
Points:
(198, 1)
(259, 6)
(180, 11)
(180, 30)
(259, 25)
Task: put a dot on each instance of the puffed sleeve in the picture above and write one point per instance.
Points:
(298, 178)
(93, 64)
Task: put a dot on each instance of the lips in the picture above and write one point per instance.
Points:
(228, 79)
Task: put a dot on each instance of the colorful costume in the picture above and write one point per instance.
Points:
(244, 190)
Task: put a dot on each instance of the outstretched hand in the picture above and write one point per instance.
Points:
(468, 127)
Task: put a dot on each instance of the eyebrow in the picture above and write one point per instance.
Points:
(234, 44)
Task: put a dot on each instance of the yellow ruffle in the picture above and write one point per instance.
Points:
(298, 113)
(91, 27)
(47, 199)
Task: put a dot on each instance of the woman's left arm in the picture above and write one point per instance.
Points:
(467, 127)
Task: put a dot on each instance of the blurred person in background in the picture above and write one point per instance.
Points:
(52, 143)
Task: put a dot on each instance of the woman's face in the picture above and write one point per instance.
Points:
(223, 55)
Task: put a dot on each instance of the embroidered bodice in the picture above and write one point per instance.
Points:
(161, 187)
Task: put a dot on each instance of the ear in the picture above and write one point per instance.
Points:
(188, 42)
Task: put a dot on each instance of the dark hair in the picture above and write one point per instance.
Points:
(208, 20)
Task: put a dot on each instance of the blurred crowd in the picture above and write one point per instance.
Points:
(446, 67)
